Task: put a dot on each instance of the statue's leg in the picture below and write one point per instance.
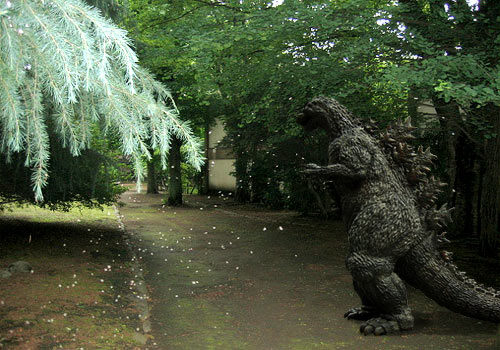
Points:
(383, 291)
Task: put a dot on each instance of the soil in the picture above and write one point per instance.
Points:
(228, 276)
(76, 297)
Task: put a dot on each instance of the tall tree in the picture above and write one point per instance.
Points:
(152, 183)
(65, 69)
(252, 64)
(448, 64)
(161, 37)
(174, 174)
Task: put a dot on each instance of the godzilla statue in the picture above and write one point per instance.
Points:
(395, 230)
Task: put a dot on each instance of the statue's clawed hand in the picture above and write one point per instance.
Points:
(312, 169)
(359, 313)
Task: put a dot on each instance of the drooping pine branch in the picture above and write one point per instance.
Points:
(64, 66)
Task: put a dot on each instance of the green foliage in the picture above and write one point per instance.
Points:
(65, 69)
(217, 71)
(255, 65)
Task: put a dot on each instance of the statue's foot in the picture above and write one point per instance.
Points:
(362, 313)
(379, 326)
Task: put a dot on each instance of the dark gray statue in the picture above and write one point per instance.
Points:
(394, 228)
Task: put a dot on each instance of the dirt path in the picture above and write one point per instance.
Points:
(229, 277)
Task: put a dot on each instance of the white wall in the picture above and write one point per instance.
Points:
(216, 134)
(219, 177)
(221, 164)
(426, 107)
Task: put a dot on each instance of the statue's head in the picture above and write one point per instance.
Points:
(328, 114)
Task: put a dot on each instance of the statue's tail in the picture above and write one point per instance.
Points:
(432, 271)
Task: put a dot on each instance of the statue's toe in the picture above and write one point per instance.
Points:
(368, 330)
(379, 326)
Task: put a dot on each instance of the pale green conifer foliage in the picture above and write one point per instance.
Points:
(63, 65)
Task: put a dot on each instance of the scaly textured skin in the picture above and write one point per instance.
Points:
(393, 225)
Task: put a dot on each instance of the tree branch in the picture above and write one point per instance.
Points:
(184, 14)
(220, 4)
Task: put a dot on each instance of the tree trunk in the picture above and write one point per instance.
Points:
(174, 173)
(466, 179)
(204, 188)
(476, 197)
(242, 193)
(448, 115)
(152, 180)
(490, 196)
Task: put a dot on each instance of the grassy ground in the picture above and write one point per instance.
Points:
(78, 296)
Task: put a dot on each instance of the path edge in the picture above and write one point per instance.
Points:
(140, 296)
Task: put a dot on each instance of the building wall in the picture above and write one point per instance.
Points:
(220, 160)
(426, 107)
(219, 175)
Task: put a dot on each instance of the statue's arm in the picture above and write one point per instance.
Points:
(335, 171)
(350, 162)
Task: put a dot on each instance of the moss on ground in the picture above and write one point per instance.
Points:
(76, 296)
(231, 277)
(196, 322)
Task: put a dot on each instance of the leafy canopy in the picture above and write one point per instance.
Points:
(66, 68)
(255, 63)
